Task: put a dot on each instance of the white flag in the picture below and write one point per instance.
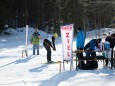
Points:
(26, 36)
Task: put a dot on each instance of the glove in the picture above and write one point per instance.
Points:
(54, 49)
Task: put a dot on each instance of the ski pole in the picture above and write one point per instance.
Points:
(48, 45)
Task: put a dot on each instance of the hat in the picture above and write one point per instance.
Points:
(55, 35)
(79, 28)
(113, 35)
(99, 39)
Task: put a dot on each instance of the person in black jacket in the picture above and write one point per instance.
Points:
(49, 43)
(111, 39)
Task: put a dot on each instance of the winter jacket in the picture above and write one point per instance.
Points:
(112, 41)
(35, 38)
(51, 42)
(91, 45)
(80, 40)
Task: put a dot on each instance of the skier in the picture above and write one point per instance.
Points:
(49, 43)
(35, 38)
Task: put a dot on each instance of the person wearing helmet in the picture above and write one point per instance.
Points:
(49, 43)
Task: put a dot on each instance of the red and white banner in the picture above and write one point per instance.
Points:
(67, 41)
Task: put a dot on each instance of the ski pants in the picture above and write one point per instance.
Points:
(48, 48)
(80, 56)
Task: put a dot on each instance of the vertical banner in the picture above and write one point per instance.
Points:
(67, 41)
(26, 36)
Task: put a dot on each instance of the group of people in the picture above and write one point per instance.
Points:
(48, 43)
(94, 45)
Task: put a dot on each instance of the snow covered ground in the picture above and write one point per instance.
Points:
(31, 71)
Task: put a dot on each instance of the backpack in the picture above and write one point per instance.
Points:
(90, 65)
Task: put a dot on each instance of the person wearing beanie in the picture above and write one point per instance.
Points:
(79, 28)
(111, 39)
(49, 43)
(80, 40)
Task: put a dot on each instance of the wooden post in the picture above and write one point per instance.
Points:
(76, 62)
(63, 65)
(59, 65)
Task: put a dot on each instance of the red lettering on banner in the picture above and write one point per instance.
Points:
(68, 47)
(67, 41)
(67, 35)
(68, 27)
(68, 54)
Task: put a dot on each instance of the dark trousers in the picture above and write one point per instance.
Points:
(48, 48)
(112, 62)
(80, 56)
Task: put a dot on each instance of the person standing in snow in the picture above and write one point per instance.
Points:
(80, 41)
(111, 39)
(35, 38)
(49, 43)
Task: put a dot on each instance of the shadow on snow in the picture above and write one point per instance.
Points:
(23, 60)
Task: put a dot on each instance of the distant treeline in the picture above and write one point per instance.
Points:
(43, 14)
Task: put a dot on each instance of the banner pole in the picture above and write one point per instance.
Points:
(76, 62)
(63, 65)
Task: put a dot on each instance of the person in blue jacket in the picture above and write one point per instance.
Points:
(92, 46)
(80, 41)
